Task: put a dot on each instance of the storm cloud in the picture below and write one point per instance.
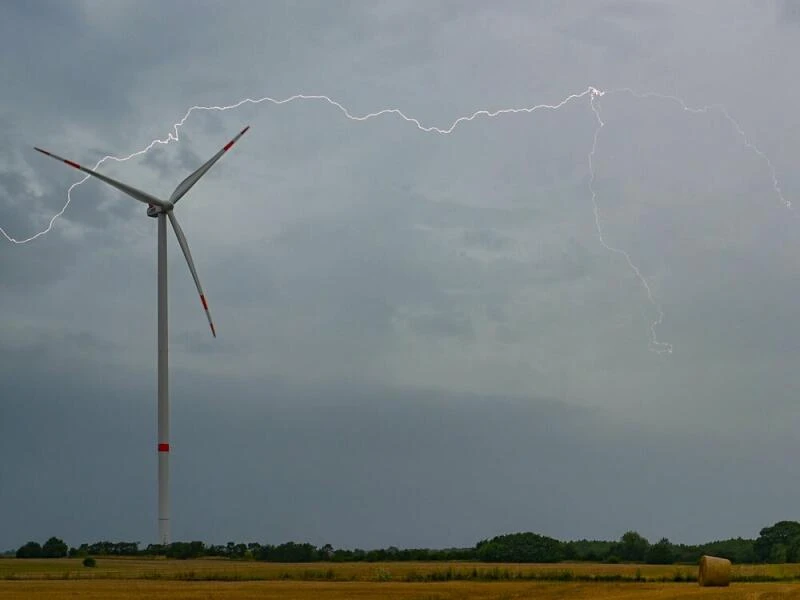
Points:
(422, 339)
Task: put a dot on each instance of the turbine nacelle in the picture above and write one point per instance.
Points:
(154, 210)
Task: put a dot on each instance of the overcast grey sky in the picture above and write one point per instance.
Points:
(422, 340)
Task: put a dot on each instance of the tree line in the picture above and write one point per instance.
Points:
(778, 543)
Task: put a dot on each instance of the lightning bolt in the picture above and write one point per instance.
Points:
(174, 136)
(655, 345)
(738, 128)
(591, 92)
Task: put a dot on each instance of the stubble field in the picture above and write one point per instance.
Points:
(118, 578)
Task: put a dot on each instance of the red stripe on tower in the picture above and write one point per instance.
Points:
(203, 300)
(228, 145)
(72, 164)
(163, 447)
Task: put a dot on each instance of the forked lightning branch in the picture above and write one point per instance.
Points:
(591, 94)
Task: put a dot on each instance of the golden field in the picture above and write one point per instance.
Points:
(118, 578)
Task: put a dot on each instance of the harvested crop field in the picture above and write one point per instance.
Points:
(454, 590)
(118, 578)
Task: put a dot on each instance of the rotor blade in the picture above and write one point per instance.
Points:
(185, 185)
(131, 191)
(185, 247)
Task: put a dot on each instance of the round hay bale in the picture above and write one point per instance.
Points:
(714, 571)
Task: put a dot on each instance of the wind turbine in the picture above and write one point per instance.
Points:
(163, 210)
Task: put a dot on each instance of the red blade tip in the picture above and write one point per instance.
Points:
(233, 141)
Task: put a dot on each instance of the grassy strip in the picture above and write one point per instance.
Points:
(381, 575)
(498, 574)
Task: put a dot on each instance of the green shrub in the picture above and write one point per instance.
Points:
(89, 562)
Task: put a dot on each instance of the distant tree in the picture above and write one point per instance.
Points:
(30, 550)
(631, 547)
(54, 548)
(89, 562)
(660, 553)
(779, 543)
(155, 550)
(589, 550)
(568, 551)
(342, 555)
(520, 547)
(778, 554)
(105, 548)
(184, 550)
(736, 550)
(289, 552)
(234, 550)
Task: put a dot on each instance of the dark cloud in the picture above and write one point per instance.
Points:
(485, 238)
(352, 464)
(629, 9)
(789, 12)
(604, 33)
(443, 324)
(17, 202)
(174, 165)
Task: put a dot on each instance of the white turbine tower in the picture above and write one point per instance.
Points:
(163, 210)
